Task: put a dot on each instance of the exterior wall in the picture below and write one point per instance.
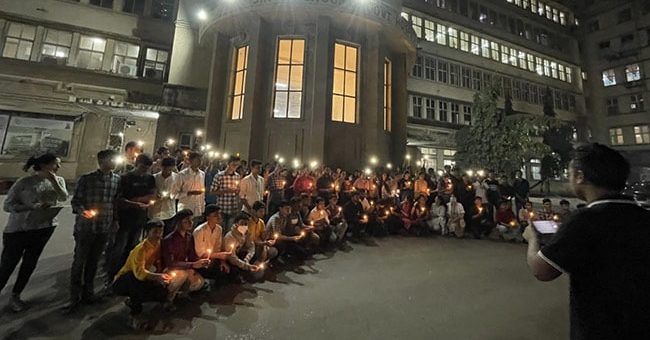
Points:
(432, 142)
(92, 100)
(602, 25)
(313, 136)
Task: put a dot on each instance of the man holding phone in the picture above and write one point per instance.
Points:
(603, 248)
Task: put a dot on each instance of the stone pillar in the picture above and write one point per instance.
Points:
(318, 114)
(370, 88)
(400, 105)
(217, 87)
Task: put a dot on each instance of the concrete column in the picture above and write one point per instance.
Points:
(371, 108)
(400, 105)
(37, 47)
(318, 65)
(217, 87)
(118, 5)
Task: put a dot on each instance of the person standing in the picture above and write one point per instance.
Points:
(95, 204)
(31, 204)
(131, 151)
(251, 188)
(138, 194)
(226, 187)
(276, 184)
(522, 190)
(191, 187)
(603, 248)
(164, 207)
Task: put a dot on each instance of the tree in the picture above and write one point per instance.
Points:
(559, 137)
(497, 141)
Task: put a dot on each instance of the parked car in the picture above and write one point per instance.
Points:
(640, 191)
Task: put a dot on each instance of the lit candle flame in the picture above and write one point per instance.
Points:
(276, 235)
(302, 234)
(164, 194)
(152, 202)
(173, 274)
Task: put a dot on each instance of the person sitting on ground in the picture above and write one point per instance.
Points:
(547, 213)
(456, 217)
(141, 278)
(264, 247)
(241, 247)
(481, 221)
(507, 224)
(286, 238)
(335, 215)
(421, 216)
(439, 216)
(421, 186)
(526, 214)
(179, 256)
(323, 226)
(309, 239)
(406, 208)
(208, 244)
(565, 210)
(353, 212)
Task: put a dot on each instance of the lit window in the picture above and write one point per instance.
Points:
(569, 77)
(416, 22)
(560, 69)
(388, 95)
(616, 136)
(513, 57)
(453, 37)
(538, 66)
(475, 47)
(449, 153)
(554, 69)
(522, 59)
(632, 72)
(642, 134)
(155, 63)
(125, 59)
(562, 18)
(494, 47)
(531, 62)
(19, 42)
(547, 68)
(609, 77)
(91, 52)
(429, 30)
(505, 56)
(441, 34)
(464, 41)
(485, 48)
(238, 92)
(56, 46)
(467, 114)
(287, 101)
(344, 92)
(540, 10)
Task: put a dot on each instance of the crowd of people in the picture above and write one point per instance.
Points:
(165, 226)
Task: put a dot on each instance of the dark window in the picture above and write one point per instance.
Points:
(442, 71)
(503, 21)
(431, 108)
(603, 45)
(624, 15)
(473, 8)
(163, 9)
(492, 17)
(467, 77)
(417, 68)
(102, 3)
(134, 6)
(455, 113)
(594, 26)
(463, 9)
(430, 69)
(628, 38)
(454, 74)
(442, 111)
(476, 80)
(513, 25)
(612, 106)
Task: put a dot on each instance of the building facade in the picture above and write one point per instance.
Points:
(615, 44)
(78, 77)
(526, 48)
(310, 81)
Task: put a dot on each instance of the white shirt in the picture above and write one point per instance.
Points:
(316, 215)
(207, 238)
(251, 189)
(165, 207)
(189, 180)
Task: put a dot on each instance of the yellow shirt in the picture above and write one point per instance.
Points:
(256, 230)
(145, 255)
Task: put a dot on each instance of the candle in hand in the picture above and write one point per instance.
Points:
(302, 234)
(209, 253)
(276, 235)
(152, 202)
(262, 265)
(164, 194)
(232, 248)
(172, 273)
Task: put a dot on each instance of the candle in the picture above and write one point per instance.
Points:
(172, 273)
(311, 223)
(262, 265)
(422, 209)
(365, 218)
(556, 217)
(532, 214)
(340, 209)
(236, 183)
(232, 248)
(284, 183)
(333, 186)
(276, 235)
(513, 223)
(387, 212)
(372, 202)
(480, 209)
(469, 187)
(152, 202)
(164, 194)
(266, 193)
(209, 253)
(302, 234)
(202, 190)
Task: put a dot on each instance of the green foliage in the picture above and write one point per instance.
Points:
(498, 142)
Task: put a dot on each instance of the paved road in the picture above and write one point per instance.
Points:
(397, 288)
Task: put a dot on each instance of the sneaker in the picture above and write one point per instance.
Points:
(17, 305)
